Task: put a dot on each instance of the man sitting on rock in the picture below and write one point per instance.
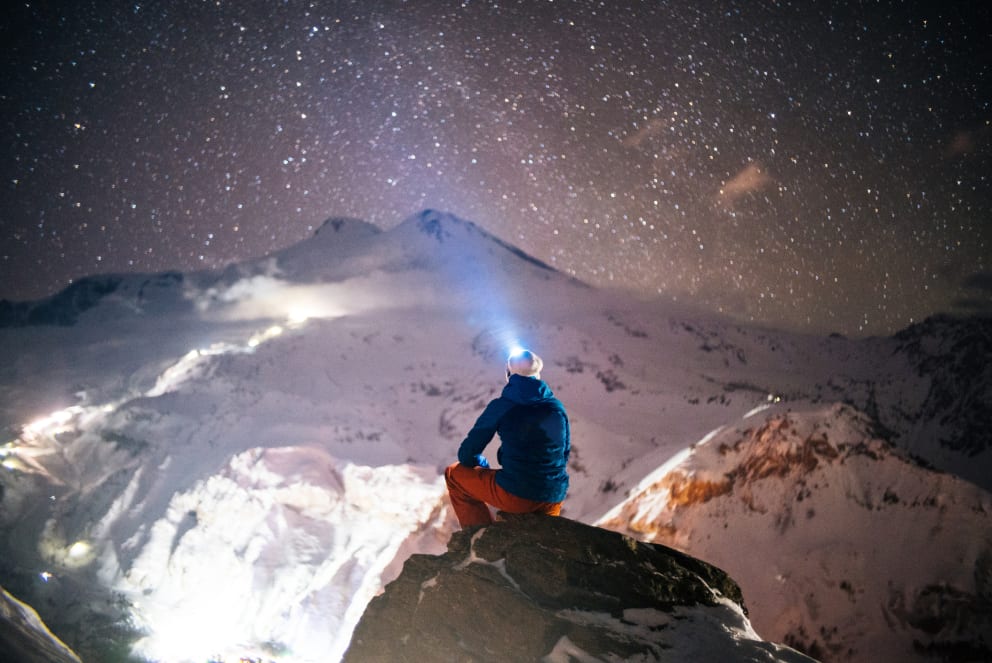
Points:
(533, 454)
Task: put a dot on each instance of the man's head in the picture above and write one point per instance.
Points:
(525, 363)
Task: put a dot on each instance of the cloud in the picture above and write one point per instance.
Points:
(979, 281)
(752, 178)
(978, 296)
(965, 143)
(973, 305)
(269, 298)
(653, 127)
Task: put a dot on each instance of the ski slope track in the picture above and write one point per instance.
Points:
(233, 463)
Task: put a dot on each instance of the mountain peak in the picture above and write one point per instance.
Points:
(436, 224)
(454, 233)
(339, 226)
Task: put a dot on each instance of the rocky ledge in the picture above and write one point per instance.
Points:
(537, 588)
(24, 638)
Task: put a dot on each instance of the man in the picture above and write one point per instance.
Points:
(533, 454)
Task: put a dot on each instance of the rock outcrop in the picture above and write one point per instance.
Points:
(536, 588)
(25, 638)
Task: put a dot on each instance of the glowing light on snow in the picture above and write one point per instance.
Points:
(264, 336)
(79, 554)
(654, 479)
(53, 423)
(265, 297)
(754, 411)
(709, 436)
(297, 316)
(261, 564)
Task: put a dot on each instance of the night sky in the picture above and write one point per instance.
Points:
(793, 163)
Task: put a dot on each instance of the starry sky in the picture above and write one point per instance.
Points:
(811, 165)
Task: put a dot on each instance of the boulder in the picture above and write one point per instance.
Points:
(540, 588)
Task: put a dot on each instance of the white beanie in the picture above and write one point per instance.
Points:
(524, 363)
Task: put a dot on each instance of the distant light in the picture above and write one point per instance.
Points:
(79, 550)
(298, 316)
(53, 421)
(260, 338)
(45, 575)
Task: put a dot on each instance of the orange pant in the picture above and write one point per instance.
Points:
(472, 488)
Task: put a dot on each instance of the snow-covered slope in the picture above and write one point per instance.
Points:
(843, 546)
(286, 544)
(133, 431)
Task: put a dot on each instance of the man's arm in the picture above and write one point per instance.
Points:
(470, 451)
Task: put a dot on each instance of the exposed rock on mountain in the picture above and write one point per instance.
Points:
(954, 355)
(846, 548)
(24, 638)
(533, 588)
(130, 293)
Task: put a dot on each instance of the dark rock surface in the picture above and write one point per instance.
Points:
(533, 588)
(24, 638)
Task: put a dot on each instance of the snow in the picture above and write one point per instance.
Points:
(250, 460)
(284, 545)
(704, 633)
(847, 547)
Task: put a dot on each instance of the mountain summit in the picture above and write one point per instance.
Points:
(458, 252)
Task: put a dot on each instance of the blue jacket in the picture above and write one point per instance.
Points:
(534, 440)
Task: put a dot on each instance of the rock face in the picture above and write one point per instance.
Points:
(25, 638)
(537, 588)
(846, 548)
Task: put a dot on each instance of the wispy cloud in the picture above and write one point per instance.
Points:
(981, 281)
(978, 293)
(269, 298)
(964, 143)
(651, 128)
(752, 178)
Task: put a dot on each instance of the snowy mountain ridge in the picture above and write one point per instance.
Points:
(844, 535)
(954, 355)
(369, 354)
(339, 250)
